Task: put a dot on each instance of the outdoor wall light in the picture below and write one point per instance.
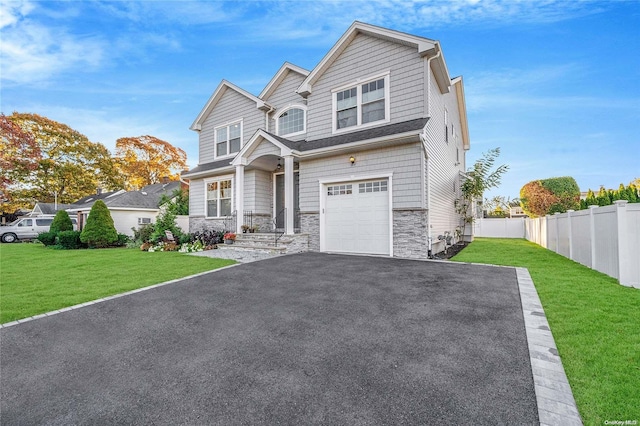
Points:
(352, 160)
(279, 166)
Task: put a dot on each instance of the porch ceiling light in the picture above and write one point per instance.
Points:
(352, 160)
(279, 166)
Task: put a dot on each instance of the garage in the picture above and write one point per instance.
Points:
(357, 217)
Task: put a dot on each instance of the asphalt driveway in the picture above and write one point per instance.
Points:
(302, 339)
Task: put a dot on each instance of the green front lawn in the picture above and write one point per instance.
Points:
(595, 322)
(35, 279)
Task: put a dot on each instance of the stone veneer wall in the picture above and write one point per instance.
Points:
(199, 223)
(410, 234)
(310, 224)
(298, 243)
(263, 221)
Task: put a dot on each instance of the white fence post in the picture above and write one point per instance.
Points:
(592, 236)
(624, 255)
(570, 229)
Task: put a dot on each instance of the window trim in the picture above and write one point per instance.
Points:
(215, 139)
(304, 121)
(358, 85)
(218, 179)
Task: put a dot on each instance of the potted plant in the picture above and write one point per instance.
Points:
(229, 238)
(254, 229)
(245, 228)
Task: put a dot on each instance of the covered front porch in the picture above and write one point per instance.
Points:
(267, 187)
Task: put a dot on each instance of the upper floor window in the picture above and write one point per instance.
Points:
(362, 103)
(228, 139)
(291, 121)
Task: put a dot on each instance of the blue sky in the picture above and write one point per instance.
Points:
(554, 84)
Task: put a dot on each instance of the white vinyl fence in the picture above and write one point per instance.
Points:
(606, 239)
(499, 227)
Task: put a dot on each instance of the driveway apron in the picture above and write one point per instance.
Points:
(302, 339)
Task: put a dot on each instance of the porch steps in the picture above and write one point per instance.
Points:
(265, 242)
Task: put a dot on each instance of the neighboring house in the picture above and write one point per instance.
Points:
(516, 211)
(130, 209)
(362, 154)
(52, 208)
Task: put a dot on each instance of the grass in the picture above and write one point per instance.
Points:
(595, 322)
(35, 279)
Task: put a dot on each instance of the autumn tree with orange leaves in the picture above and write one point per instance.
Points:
(69, 166)
(145, 160)
(19, 156)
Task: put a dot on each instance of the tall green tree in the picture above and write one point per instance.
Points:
(70, 165)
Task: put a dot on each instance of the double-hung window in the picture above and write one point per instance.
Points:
(218, 197)
(363, 103)
(228, 139)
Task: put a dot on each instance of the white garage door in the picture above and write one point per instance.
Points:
(357, 217)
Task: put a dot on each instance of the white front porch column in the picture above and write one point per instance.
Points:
(239, 198)
(288, 194)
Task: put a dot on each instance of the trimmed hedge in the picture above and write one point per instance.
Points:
(548, 196)
(69, 240)
(47, 238)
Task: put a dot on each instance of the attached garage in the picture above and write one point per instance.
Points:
(356, 217)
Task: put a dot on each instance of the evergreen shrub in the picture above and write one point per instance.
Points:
(99, 232)
(61, 222)
(69, 240)
(47, 238)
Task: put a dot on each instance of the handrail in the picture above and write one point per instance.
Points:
(229, 222)
(278, 234)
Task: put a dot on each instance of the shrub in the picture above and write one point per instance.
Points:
(548, 196)
(123, 240)
(99, 231)
(47, 238)
(69, 240)
(165, 221)
(61, 222)
(143, 234)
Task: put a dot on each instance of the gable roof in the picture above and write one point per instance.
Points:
(424, 46)
(50, 208)
(282, 73)
(217, 95)
(147, 198)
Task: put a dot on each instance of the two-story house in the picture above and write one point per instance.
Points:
(362, 154)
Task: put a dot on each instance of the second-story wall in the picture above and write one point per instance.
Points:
(231, 107)
(368, 56)
(283, 97)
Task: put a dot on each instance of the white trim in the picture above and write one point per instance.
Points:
(215, 98)
(424, 46)
(358, 83)
(215, 139)
(279, 77)
(322, 183)
(273, 178)
(250, 146)
(218, 179)
(278, 113)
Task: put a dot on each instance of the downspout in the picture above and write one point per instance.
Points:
(428, 113)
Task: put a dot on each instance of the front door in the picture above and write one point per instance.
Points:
(279, 201)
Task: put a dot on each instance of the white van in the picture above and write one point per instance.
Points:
(28, 228)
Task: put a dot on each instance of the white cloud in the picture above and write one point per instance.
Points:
(31, 52)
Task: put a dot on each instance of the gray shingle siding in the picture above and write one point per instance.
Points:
(364, 57)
